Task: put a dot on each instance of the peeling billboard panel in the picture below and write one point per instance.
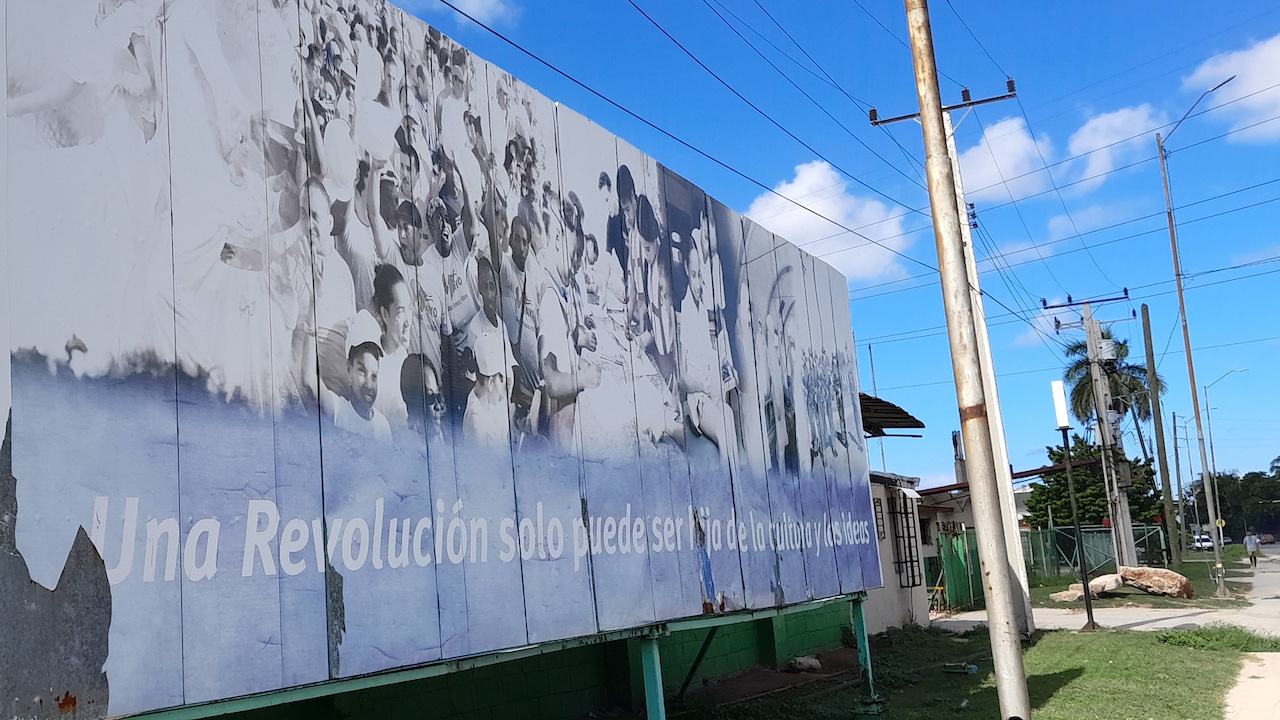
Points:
(334, 349)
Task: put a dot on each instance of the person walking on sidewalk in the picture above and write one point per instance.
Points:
(1251, 543)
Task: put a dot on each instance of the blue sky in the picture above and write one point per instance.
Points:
(1095, 82)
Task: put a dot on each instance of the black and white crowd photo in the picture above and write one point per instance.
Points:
(334, 348)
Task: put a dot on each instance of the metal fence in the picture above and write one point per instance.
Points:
(1047, 553)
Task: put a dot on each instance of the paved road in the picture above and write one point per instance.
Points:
(1262, 615)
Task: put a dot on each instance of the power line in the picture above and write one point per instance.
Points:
(1039, 153)
(809, 97)
(1161, 228)
(757, 108)
(996, 164)
(1063, 161)
(1153, 60)
(668, 134)
(921, 333)
(893, 35)
(864, 106)
(1059, 368)
(975, 38)
(1061, 200)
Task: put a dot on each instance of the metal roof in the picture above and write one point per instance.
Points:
(879, 415)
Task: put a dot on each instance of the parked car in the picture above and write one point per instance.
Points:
(1226, 539)
(1267, 538)
(1201, 542)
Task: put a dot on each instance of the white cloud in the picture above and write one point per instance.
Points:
(1098, 134)
(1004, 164)
(1255, 69)
(488, 12)
(1266, 253)
(819, 187)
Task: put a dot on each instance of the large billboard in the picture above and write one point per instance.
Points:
(334, 349)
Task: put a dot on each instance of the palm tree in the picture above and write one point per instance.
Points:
(1128, 384)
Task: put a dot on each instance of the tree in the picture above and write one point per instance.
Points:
(1128, 382)
(1247, 501)
(1275, 466)
(1051, 494)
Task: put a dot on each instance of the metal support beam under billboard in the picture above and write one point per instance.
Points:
(651, 664)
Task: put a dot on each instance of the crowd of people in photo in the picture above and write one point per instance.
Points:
(456, 286)
(429, 270)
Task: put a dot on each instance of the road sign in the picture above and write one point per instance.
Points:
(1221, 523)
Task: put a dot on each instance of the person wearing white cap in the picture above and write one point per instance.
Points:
(357, 414)
(487, 420)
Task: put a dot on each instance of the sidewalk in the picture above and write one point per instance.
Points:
(1254, 697)
(1262, 615)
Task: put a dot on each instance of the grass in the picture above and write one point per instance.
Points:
(1220, 637)
(1197, 571)
(1112, 674)
(1230, 554)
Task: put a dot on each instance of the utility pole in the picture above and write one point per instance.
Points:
(1171, 529)
(1210, 491)
(1213, 462)
(1109, 439)
(1004, 475)
(1006, 646)
(1177, 465)
(1208, 419)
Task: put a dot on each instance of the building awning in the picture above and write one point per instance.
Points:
(909, 493)
(880, 415)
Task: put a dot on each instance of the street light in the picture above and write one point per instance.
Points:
(1208, 420)
(1191, 473)
(1211, 495)
(1064, 424)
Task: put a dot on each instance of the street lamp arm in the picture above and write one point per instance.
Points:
(1224, 376)
(1194, 104)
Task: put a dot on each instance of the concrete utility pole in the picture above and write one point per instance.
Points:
(998, 590)
(1004, 475)
(1171, 528)
(1109, 441)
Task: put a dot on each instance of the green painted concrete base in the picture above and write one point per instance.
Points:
(560, 680)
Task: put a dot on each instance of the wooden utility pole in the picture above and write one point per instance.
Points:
(1006, 646)
(1206, 479)
(1170, 524)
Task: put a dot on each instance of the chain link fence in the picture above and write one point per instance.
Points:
(956, 576)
